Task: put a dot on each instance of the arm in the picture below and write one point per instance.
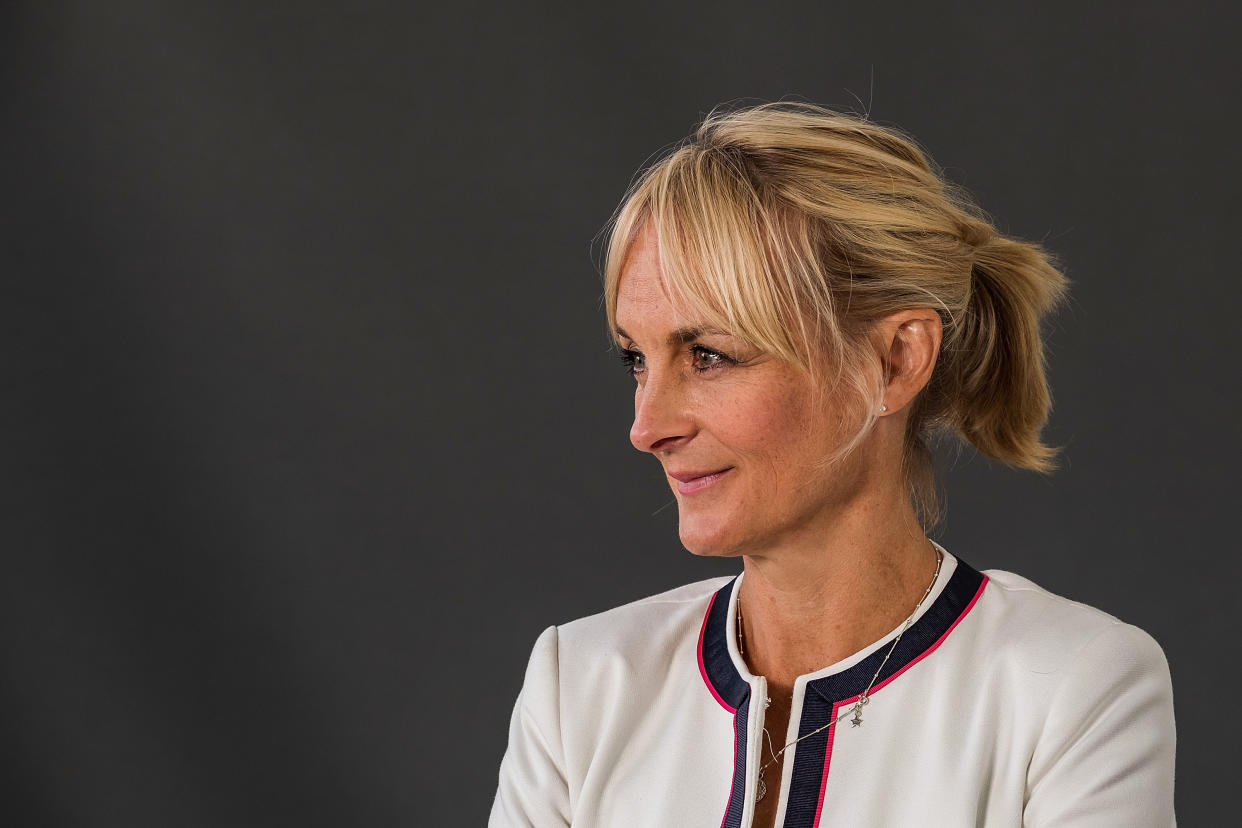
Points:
(533, 792)
(1105, 759)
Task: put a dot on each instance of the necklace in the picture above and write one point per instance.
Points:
(762, 788)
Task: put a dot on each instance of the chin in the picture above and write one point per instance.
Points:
(705, 538)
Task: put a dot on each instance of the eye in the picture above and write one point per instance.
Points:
(705, 359)
(633, 361)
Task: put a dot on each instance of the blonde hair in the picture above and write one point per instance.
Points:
(797, 229)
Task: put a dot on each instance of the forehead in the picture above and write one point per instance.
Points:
(643, 298)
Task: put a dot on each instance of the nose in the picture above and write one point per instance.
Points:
(661, 414)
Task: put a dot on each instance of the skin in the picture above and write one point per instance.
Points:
(834, 557)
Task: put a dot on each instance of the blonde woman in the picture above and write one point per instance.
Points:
(803, 302)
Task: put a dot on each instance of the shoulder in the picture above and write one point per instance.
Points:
(1093, 696)
(633, 639)
(642, 624)
(640, 644)
(1042, 633)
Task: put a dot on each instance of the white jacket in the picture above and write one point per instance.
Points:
(1002, 705)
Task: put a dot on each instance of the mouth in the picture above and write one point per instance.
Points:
(691, 482)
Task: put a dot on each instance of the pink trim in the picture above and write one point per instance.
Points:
(733, 778)
(703, 671)
(823, 780)
(929, 650)
(832, 728)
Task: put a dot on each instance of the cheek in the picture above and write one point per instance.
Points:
(776, 430)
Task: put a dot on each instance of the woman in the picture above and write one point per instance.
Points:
(804, 303)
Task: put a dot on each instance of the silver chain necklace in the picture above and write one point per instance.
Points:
(863, 700)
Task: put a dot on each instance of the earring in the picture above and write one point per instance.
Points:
(883, 408)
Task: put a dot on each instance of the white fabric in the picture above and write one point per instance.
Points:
(1033, 710)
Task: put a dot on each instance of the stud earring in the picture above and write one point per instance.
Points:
(883, 408)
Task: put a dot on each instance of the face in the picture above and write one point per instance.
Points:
(738, 432)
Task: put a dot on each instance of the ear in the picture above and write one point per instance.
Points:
(909, 343)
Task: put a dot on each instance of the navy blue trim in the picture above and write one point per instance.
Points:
(737, 795)
(822, 694)
(808, 769)
(940, 616)
(717, 663)
(733, 689)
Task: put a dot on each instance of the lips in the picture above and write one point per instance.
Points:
(689, 482)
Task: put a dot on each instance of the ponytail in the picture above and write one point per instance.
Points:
(996, 367)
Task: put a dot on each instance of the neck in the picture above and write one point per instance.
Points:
(821, 598)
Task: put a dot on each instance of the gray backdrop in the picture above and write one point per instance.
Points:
(310, 423)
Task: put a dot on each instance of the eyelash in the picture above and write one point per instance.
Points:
(630, 357)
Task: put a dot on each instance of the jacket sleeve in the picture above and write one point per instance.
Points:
(1106, 756)
(533, 790)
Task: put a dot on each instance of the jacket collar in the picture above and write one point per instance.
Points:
(722, 668)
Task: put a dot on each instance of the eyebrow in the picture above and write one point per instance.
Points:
(682, 335)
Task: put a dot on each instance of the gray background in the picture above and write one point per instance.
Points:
(309, 421)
